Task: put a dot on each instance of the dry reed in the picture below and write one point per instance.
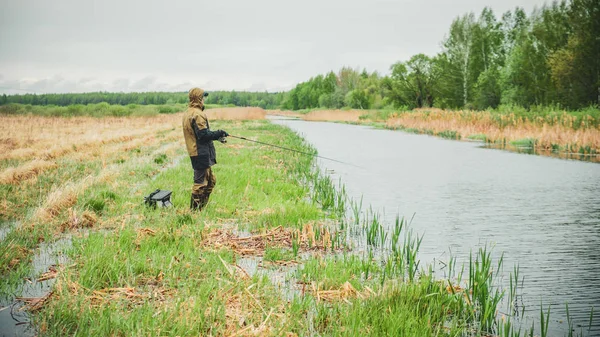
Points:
(285, 113)
(345, 292)
(334, 115)
(66, 195)
(503, 128)
(14, 175)
(27, 137)
(278, 237)
(61, 198)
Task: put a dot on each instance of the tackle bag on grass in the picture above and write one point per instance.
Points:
(158, 197)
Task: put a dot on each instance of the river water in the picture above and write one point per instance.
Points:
(543, 213)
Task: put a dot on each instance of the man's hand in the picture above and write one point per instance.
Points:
(222, 136)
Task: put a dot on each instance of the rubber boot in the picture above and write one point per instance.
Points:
(203, 200)
(196, 202)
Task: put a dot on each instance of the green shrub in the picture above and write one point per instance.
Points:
(119, 111)
(166, 109)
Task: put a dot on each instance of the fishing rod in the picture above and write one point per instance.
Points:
(294, 150)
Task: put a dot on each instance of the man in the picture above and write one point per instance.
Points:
(199, 142)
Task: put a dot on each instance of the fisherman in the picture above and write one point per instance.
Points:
(199, 142)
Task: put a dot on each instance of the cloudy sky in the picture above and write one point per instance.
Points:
(126, 45)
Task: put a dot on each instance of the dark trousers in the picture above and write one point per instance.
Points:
(204, 183)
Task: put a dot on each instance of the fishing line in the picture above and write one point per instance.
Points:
(294, 150)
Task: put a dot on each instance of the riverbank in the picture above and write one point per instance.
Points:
(271, 254)
(567, 134)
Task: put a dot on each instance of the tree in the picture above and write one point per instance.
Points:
(457, 48)
(575, 67)
(412, 83)
(487, 91)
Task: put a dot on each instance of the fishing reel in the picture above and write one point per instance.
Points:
(223, 140)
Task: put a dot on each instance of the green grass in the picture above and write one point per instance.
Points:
(278, 254)
(93, 110)
(250, 180)
(141, 271)
(526, 142)
(417, 309)
(19, 244)
(450, 134)
(480, 137)
(334, 271)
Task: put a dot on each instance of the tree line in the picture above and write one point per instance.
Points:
(551, 57)
(261, 99)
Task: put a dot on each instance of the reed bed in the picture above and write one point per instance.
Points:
(547, 133)
(334, 115)
(559, 131)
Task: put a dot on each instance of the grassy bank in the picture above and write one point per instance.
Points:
(271, 255)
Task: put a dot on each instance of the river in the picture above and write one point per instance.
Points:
(543, 213)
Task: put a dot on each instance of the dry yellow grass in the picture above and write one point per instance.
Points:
(256, 245)
(334, 115)
(28, 137)
(468, 123)
(343, 293)
(235, 113)
(61, 198)
(286, 113)
(83, 138)
(14, 175)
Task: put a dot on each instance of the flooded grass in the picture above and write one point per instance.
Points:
(134, 270)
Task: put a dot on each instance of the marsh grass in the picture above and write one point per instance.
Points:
(565, 131)
(139, 271)
(279, 254)
(176, 239)
(43, 205)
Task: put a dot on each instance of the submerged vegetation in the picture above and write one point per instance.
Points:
(134, 270)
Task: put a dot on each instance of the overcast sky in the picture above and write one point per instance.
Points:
(124, 45)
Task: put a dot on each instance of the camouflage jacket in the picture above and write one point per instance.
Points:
(199, 138)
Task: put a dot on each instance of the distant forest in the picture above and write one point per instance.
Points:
(260, 99)
(550, 58)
